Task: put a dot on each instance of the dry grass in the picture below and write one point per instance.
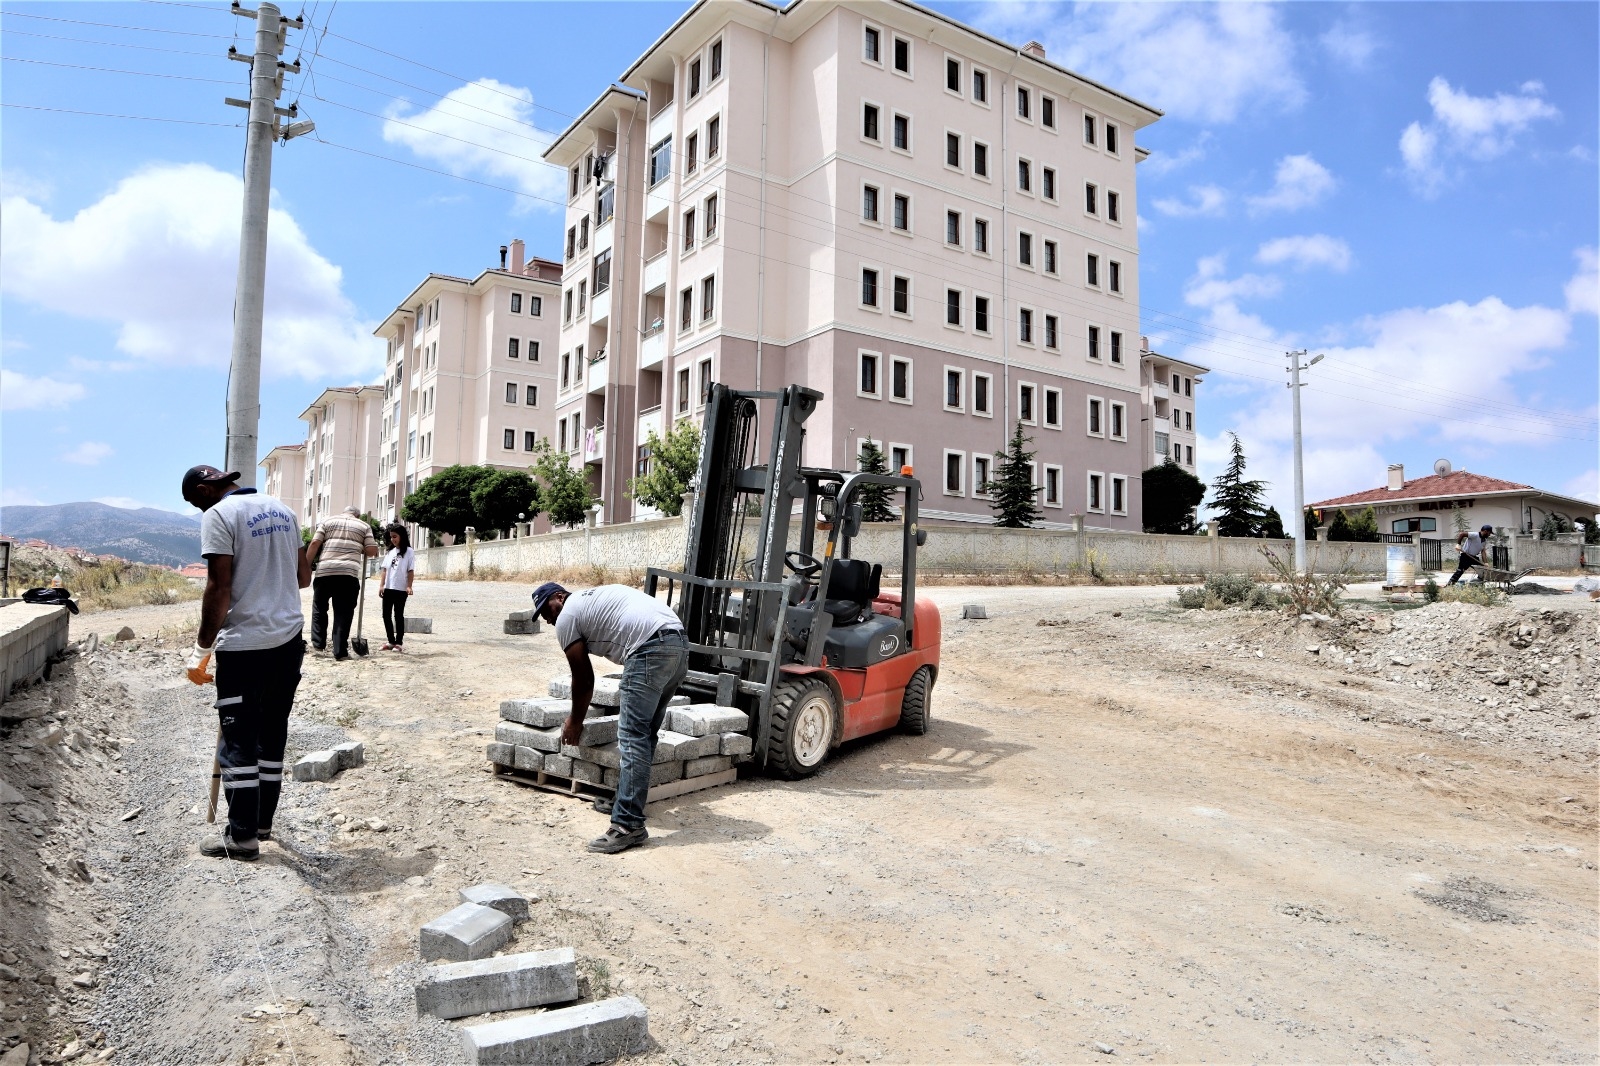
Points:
(102, 586)
(581, 576)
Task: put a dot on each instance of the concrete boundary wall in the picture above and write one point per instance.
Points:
(30, 634)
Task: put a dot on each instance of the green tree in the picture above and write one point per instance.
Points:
(1171, 495)
(1012, 494)
(1554, 524)
(874, 499)
(443, 502)
(1238, 499)
(1363, 526)
(564, 490)
(1271, 525)
(674, 460)
(1591, 532)
(500, 497)
(1459, 520)
(1311, 523)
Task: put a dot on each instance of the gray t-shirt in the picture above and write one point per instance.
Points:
(1473, 545)
(263, 537)
(613, 620)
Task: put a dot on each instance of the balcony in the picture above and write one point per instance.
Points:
(600, 308)
(1156, 391)
(1161, 425)
(661, 123)
(594, 444)
(599, 375)
(653, 349)
(655, 271)
(658, 201)
(604, 236)
(649, 422)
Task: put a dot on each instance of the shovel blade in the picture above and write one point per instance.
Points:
(359, 646)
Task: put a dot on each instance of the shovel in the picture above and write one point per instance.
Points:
(359, 643)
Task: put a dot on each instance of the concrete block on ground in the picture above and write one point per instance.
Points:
(516, 628)
(679, 701)
(707, 764)
(351, 754)
(973, 610)
(601, 730)
(736, 744)
(465, 933)
(587, 772)
(539, 714)
(502, 898)
(740, 760)
(703, 719)
(560, 765)
(568, 1036)
(607, 691)
(510, 982)
(672, 746)
(527, 759)
(600, 754)
(502, 754)
(317, 766)
(528, 737)
(660, 774)
(530, 615)
(419, 625)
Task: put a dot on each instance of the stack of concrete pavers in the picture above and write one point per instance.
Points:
(698, 740)
(325, 765)
(522, 622)
(480, 984)
(419, 625)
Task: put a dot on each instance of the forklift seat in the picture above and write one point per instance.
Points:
(852, 586)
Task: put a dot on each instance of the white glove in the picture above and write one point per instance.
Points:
(195, 664)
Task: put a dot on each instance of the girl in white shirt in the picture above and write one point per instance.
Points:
(399, 569)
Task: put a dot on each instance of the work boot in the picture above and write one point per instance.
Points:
(603, 804)
(225, 847)
(264, 834)
(619, 839)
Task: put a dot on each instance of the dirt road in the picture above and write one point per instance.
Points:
(1126, 833)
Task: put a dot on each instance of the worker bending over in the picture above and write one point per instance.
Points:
(645, 637)
(1471, 546)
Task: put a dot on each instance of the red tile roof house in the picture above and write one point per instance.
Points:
(1428, 504)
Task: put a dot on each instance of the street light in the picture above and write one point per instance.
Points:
(1294, 386)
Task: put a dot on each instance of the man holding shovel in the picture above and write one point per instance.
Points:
(338, 549)
(250, 622)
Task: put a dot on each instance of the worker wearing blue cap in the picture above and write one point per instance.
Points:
(644, 637)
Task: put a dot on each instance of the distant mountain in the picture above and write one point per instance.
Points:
(145, 535)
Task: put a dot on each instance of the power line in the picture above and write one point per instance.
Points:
(447, 74)
(139, 118)
(110, 70)
(113, 26)
(112, 44)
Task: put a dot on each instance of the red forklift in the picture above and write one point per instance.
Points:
(782, 621)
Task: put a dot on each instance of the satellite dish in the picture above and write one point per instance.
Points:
(1441, 466)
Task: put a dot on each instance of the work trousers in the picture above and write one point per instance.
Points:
(650, 678)
(342, 589)
(394, 614)
(255, 692)
(1467, 563)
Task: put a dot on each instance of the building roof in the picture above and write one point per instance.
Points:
(1457, 484)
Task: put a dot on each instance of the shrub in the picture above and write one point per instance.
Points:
(1430, 589)
(1191, 599)
(1308, 593)
(1230, 589)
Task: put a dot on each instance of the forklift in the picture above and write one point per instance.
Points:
(800, 638)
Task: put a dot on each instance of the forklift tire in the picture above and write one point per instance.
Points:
(804, 719)
(916, 706)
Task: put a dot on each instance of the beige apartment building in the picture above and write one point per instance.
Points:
(341, 450)
(284, 476)
(1170, 389)
(936, 229)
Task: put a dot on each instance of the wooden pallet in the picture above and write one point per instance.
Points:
(568, 786)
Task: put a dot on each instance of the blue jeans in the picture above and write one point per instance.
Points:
(650, 678)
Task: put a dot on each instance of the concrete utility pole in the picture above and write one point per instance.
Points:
(249, 294)
(1294, 386)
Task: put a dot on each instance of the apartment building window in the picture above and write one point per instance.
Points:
(1088, 129)
(1119, 495)
(1188, 386)
(1113, 207)
(660, 161)
(899, 457)
(869, 288)
(868, 383)
(588, 169)
(1119, 413)
(952, 150)
(689, 231)
(1174, 383)
(411, 445)
(561, 434)
(980, 159)
(511, 392)
(573, 183)
(536, 306)
(577, 365)
(952, 307)
(980, 236)
(602, 272)
(509, 440)
(691, 153)
(694, 79)
(1161, 447)
(1024, 103)
(1051, 337)
(899, 379)
(686, 308)
(683, 391)
(1025, 325)
(902, 55)
(714, 138)
(869, 203)
(532, 393)
(716, 60)
(954, 465)
(1052, 408)
(1094, 342)
(583, 233)
(533, 351)
(1047, 111)
(1091, 198)
(1114, 275)
(980, 475)
(901, 304)
(872, 44)
(1111, 138)
(982, 386)
(952, 74)
(513, 348)
(1025, 249)
(902, 212)
(1091, 270)
(952, 228)
(583, 295)
(516, 303)
(705, 382)
(952, 389)
(1047, 183)
(529, 440)
(566, 306)
(1096, 410)
(1024, 175)
(1049, 257)
(708, 299)
(1096, 500)
(1052, 486)
(869, 122)
(1025, 403)
(980, 314)
(1188, 454)
(902, 132)
(1116, 346)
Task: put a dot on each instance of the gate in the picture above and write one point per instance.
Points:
(1432, 555)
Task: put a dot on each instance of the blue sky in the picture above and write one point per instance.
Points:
(1411, 189)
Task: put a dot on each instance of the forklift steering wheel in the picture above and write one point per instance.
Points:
(802, 564)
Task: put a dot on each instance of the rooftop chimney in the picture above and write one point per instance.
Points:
(1397, 477)
(1144, 344)
(1034, 49)
(502, 257)
(516, 256)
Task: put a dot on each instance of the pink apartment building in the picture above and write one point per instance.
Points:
(284, 476)
(1170, 388)
(933, 227)
(340, 454)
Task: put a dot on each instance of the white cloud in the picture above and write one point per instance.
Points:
(127, 503)
(1209, 288)
(1197, 63)
(1205, 201)
(486, 128)
(1466, 126)
(1349, 44)
(1318, 249)
(160, 252)
(16, 183)
(10, 497)
(89, 453)
(1583, 291)
(1586, 486)
(1299, 182)
(1160, 163)
(20, 392)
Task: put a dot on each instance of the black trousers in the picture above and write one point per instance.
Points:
(255, 692)
(394, 614)
(342, 589)
(1467, 563)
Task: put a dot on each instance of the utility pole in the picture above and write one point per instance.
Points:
(1294, 386)
(249, 294)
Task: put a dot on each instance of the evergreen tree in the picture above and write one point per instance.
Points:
(874, 499)
(500, 497)
(1012, 494)
(565, 491)
(1364, 526)
(1171, 495)
(443, 502)
(1339, 527)
(674, 461)
(1311, 524)
(1271, 525)
(1238, 500)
